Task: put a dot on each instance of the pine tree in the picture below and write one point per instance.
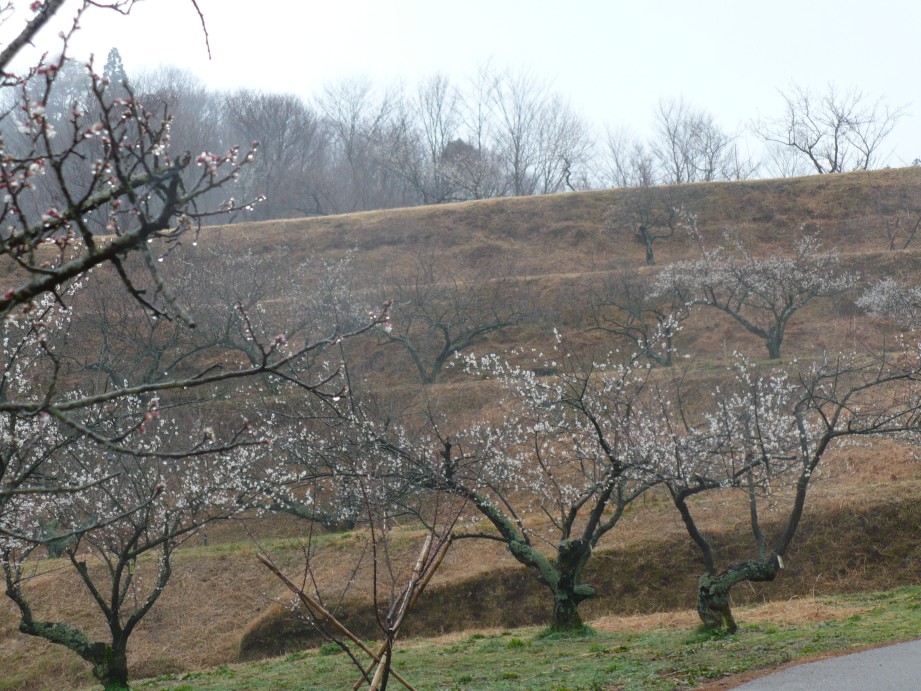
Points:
(114, 70)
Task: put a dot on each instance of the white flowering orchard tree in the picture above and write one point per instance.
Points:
(80, 466)
(765, 434)
(761, 294)
(568, 458)
(150, 501)
(124, 469)
(895, 301)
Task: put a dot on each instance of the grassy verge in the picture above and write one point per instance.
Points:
(665, 657)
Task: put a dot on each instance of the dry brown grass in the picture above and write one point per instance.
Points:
(645, 574)
(556, 244)
(563, 234)
(791, 612)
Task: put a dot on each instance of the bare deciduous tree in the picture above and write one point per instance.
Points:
(437, 313)
(541, 141)
(292, 151)
(835, 132)
(626, 309)
(366, 463)
(474, 167)
(649, 214)
(689, 146)
(900, 220)
(902, 227)
(420, 141)
(359, 119)
(629, 162)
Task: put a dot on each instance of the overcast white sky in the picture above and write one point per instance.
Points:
(614, 59)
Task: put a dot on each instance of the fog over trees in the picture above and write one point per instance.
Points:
(118, 449)
(358, 145)
(151, 386)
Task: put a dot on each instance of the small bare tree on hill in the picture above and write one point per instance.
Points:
(437, 313)
(834, 132)
(625, 308)
(650, 214)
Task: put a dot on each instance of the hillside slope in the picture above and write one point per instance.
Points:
(859, 532)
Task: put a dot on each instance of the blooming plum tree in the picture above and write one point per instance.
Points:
(760, 294)
(128, 466)
(895, 301)
(765, 434)
(148, 500)
(132, 461)
(569, 457)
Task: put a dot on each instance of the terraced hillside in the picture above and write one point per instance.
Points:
(524, 267)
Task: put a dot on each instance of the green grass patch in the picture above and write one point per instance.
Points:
(582, 631)
(248, 548)
(530, 658)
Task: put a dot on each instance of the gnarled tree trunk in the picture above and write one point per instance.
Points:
(713, 590)
(110, 666)
(567, 591)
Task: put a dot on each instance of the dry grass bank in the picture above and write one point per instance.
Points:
(859, 532)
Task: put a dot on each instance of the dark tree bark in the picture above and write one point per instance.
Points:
(568, 592)
(713, 590)
(110, 662)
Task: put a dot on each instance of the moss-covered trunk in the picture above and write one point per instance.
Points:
(111, 668)
(713, 591)
(566, 615)
(568, 592)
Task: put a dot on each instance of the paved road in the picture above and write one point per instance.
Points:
(892, 668)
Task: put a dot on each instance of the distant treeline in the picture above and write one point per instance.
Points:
(359, 146)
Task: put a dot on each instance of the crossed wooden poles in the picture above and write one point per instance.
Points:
(430, 557)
